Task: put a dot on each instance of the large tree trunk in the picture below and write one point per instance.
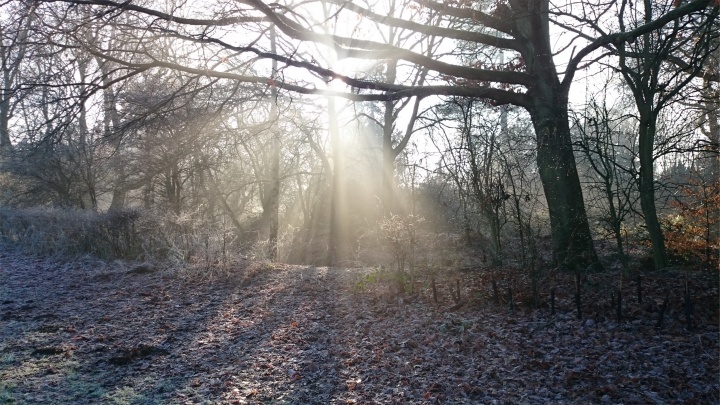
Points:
(647, 187)
(572, 241)
(571, 236)
(119, 196)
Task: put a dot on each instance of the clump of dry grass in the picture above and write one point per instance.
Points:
(184, 244)
(69, 232)
(127, 234)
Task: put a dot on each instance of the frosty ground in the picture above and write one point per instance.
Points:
(87, 331)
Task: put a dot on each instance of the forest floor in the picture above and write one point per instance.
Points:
(85, 331)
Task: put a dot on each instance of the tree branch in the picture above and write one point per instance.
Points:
(621, 37)
(355, 48)
(127, 5)
(389, 91)
(464, 35)
(469, 14)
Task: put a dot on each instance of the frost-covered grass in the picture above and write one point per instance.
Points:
(52, 231)
(127, 234)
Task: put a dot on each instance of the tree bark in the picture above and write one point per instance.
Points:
(274, 195)
(548, 108)
(335, 237)
(5, 143)
(274, 206)
(572, 240)
(647, 186)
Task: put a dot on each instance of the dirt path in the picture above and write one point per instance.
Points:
(89, 332)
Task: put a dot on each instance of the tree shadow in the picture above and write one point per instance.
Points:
(148, 338)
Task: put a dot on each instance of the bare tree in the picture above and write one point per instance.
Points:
(655, 83)
(611, 165)
(15, 27)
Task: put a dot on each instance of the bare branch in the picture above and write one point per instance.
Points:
(628, 36)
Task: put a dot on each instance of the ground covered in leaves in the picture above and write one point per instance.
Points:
(94, 332)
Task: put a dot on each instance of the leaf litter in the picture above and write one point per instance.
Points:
(92, 332)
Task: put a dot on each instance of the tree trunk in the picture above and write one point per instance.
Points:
(5, 143)
(334, 239)
(572, 241)
(388, 157)
(148, 192)
(274, 195)
(493, 216)
(173, 187)
(12, 55)
(647, 187)
(84, 152)
(615, 221)
(388, 167)
(111, 124)
(118, 198)
(274, 205)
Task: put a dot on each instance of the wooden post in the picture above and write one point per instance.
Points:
(495, 292)
(688, 309)
(661, 315)
(578, 298)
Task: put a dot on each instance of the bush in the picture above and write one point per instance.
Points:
(51, 231)
(127, 234)
(692, 232)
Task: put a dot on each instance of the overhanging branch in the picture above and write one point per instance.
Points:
(620, 37)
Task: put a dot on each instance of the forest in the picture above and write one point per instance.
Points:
(359, 201)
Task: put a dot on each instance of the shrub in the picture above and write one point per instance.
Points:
(52, 231)
(693, 231)
(126, 234)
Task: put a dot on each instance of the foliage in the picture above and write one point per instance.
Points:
(400, 236)
(690, 232)
(404, 252)
(365, 281)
